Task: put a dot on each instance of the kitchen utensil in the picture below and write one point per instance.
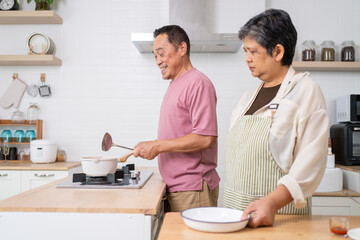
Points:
(32, 90)
(354, 233)
(43, 151)
(214, 219)
(107, 143)
(44, 90)
(126, 156)
(99, 166)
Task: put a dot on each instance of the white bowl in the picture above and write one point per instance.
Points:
(99, 166)
(214, 219)
(354, 233)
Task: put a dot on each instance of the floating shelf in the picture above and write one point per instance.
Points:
(30, 17)
(327, 66)
(29, 60)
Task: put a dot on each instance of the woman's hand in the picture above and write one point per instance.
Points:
(262, 213)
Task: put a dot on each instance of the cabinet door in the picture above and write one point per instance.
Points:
(335, 206)
(10, 183)
(33, 179)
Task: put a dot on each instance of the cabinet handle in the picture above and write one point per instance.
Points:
(3, 174)
(44, 174)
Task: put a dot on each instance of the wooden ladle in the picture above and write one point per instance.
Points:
(126, 156)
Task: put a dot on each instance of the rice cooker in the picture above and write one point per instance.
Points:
(43, 151)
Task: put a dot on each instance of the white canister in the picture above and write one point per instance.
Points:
(43, 151)
(332, 180)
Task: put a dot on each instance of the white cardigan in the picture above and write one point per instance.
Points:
(298, 136)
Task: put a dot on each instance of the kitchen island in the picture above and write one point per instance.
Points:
(48, 212)
(285, 227)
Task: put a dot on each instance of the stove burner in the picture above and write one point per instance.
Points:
(125, 176)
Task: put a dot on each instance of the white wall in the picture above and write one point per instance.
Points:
(105, 84)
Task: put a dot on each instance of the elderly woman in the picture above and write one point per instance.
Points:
(277, 143)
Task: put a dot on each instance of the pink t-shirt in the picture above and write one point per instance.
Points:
(189, 106)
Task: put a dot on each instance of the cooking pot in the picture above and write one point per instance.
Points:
(99, 166)
(43, 151)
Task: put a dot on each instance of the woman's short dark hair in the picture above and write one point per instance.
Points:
(175, 35)
(272, 27)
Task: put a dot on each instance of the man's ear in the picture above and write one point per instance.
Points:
(182, 48)
(279, 52)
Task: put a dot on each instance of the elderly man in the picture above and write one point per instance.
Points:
(187, 135)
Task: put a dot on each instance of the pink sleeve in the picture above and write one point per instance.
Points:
(202, 107)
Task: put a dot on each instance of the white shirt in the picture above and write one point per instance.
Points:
(298, 138)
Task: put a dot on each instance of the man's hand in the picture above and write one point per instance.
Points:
(148, 150)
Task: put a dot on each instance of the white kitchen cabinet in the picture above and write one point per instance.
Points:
(10, 183)
(13, 182)
(335, 206)
(33, 179)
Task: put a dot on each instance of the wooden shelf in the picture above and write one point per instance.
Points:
(29, 60)
(30, 17)
(38, 128)
(327, 66)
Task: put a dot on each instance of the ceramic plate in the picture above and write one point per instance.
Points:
(354, 233)
(214, 219)
(39, 43)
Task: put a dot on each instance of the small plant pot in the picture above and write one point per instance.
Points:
(40, 6)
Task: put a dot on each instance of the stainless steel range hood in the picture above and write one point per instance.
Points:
(193, 17)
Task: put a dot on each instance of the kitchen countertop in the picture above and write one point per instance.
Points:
(341, 193)
(48, 198)
(28, 165)
(285, 227)
(349, 168)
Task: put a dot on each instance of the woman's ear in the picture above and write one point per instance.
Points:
(279, 52)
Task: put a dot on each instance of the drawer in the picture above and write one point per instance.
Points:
(33, 179)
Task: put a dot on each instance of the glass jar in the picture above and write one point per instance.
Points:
(328, 51)
(18, 117)
(348, 51)
(32, 113)
(61, 156)
(308, 50)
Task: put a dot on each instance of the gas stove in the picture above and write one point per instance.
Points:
(126, 177)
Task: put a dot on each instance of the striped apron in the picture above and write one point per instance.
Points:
(251, 171)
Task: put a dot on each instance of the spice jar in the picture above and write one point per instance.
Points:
(32, 113)
(328, 51)
(61, 156)
(308, 50)
(348, 51)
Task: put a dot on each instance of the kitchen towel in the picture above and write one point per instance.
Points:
(13, 94)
